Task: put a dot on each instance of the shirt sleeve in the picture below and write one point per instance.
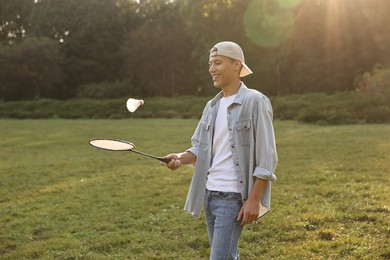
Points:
(195, 139)
(265, 146)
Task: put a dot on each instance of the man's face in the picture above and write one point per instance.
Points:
(223, 70)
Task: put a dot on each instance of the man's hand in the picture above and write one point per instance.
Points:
(249, 212)
(251, 208)
(177, 159)
(174, 162)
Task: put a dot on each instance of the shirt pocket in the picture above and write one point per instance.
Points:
(243, 132)
(204, 134)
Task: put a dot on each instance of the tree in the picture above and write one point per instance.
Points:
(90, 32)
(13, 20)
(332, 41)
(158, 53)
(30, 70)
(208, 22)
(161, 46)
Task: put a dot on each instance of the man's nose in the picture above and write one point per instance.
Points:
(211, 69)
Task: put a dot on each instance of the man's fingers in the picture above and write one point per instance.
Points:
(240, 214)
(243, 216)
(246, 217)
(177, 163)
(174, 164)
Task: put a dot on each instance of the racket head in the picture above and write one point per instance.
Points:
(111, 144)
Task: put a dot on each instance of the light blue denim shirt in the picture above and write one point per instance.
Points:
(252, 142)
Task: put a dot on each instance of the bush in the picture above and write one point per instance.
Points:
(339, 108)
(181, 107)
(375, 84)
(317, 108)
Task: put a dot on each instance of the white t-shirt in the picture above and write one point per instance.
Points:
(222, 175)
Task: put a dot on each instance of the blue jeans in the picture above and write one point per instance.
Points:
(224, 231)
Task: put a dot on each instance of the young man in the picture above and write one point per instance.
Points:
(234, 153)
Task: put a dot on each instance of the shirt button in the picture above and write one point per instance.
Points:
(232, 146)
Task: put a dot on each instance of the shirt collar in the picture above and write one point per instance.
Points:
(239, 97)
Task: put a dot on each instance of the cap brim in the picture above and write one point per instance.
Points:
(245, 71)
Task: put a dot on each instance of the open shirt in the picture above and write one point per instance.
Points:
(252, 143)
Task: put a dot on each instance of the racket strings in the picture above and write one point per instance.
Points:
(114, 145)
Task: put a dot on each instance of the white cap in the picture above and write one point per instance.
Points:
(231, 50)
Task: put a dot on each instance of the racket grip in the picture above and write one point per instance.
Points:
(164, 160)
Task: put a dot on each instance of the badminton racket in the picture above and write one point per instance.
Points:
(121, 145)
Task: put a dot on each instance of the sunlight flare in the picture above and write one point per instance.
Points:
(269, 23)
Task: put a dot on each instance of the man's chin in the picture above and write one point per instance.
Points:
(217, 85)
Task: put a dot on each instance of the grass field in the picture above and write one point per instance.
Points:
(62, 199)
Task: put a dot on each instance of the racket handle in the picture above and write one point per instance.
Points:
(164, 160)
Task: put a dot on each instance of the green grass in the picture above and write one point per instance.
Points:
(62, 199)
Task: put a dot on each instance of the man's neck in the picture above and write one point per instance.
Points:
(231, 89)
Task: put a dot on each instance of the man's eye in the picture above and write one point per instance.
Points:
(216, 63)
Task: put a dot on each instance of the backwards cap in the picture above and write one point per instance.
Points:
(231, 50)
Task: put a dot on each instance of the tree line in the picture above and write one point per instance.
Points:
(62, 49)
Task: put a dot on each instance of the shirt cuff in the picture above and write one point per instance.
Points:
(264, 174)
(193, 150)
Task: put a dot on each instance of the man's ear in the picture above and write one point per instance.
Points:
(238, 65)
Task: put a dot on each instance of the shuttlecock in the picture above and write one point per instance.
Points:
(132, 104)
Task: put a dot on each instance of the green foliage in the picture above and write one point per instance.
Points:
(339, 108)
(157, 54)
(208, 22)
(60, 198)
(375, 84)
(183, 107)
(30, 70)
(162, 46)
(272, 27)
(317, 108)
(14, 20)
(107, 90)
(90, 32)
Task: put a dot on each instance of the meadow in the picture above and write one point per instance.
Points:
(60, 198)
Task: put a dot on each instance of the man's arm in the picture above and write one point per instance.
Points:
(250, 210)
(178, 159)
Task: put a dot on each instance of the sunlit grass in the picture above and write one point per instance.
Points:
(61, 198)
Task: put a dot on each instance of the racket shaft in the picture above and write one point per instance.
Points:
(162, 159)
